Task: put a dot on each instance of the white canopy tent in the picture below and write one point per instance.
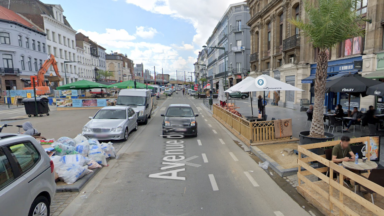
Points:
(240, 84)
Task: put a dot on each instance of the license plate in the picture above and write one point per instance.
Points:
(101, 135)
(180, 129)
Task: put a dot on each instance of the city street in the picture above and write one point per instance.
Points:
(212, 177)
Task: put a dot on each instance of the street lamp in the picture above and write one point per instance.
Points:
(96, 74)
(65, 69)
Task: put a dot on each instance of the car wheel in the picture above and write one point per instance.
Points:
(126, 134)
(40, 206)
(243, 97)
(150, 114)
(136, 127)
(164, 135)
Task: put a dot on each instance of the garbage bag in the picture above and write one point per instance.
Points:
(57, 162)
(97, 154)
(93, 142)
(70, 173)
(264, 165)
(67, 141)
(109, 149)
(83, 148)
(75, 159)
(93, 165)
(79, 139)
(63, 149)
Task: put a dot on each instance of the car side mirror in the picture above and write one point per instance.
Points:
(90, 117)
(196, 115)
(162, 115)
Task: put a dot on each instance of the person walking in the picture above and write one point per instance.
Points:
(183, 91)
(260, 105)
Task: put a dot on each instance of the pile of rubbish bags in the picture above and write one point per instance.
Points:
(75, 158)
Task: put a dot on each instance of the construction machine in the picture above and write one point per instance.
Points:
(39, 81)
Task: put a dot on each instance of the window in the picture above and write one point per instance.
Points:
(25, 154)
(269, 36)
(22, 63)
(38, 46)
(281, 28)
(268, 65)
(33, 44)
(69, 43)
(6, 172)
(53, 36)
(20, 41)
(49, 50)
(59, 38)
(361, 7)
(353, 46)
(73, 44)
(48, 34)
(238, 44)
(69, 56)
(238, 67)
(55, 52)
(27, 43)
(30, 64)
(279, 62)
(65, 55)
(297, 11)
(61, 53)
(238, 25)
(74, 56)
(35, 64)
(44, 48)
(7, 61)
(41, 63)
(4, 38)
(65, 41)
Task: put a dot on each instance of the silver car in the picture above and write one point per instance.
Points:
(27, 180)
(111, 123)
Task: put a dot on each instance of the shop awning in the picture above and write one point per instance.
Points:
(309, 79)
(341, 74)
(375, 75)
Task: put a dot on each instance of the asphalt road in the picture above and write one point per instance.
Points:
(216, 177)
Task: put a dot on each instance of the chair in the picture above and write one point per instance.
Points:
(334, 123)
(363, 110)
(376, 176)
(309, 118)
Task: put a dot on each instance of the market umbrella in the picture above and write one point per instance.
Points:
(82, 84)
(236, 87)
(377, 90)
(129, 84)
(266, 83)
(352, 84)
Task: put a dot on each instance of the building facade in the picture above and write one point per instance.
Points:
(279, 50)
(121, 66)
(23, 50)
(139, 72)
(86, 60)
(102, 57)
(228, 48)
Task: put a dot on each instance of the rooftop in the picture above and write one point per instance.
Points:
(9, 15)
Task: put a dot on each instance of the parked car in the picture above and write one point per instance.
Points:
(27, 179)
(168, 92)
(179, 119)
(238, 95)
(111, 123)
(193, 93)
(139, 100)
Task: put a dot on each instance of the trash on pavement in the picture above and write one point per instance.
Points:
(80, 138)
(264, 165)
(47, 141)
(70, 173)
(109, 149)
(75, 159)
(83, 148)
(67, 141)
(63, 149)
(97, 154)
(93, 165)
(93, 142)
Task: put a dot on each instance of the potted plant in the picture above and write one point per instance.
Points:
(327, 23)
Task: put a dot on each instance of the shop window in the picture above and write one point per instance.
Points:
(10, 84)
(353, 46)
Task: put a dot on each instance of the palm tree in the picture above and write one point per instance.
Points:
(203, 80)
(328, 22)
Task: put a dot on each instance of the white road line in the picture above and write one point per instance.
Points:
(278, 213)
(205, 159)
(205, 120)
(213, 182)
(199, 142)
(214, 131)
(254, 183)
(209, 125)
(233, 156)
(222, 141)
(202, 116)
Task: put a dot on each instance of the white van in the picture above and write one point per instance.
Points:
(156, 90)
(139, 100)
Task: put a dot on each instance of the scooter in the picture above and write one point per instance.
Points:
(8, 125)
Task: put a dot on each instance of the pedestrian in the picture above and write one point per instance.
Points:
(339, 111)
(310, 109)
(260, 105)
(183, 91)
(354, 115)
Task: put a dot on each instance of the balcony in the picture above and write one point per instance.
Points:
(291, 42)
(222, 37)
(255, 57)
(222, 55)
(279, 50)
(212, 62)
(266, 54)
(238, 49)
(10, 71)
(239, 28)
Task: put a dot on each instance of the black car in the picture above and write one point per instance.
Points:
(180, 120)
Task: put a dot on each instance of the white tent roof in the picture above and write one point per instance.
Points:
(266, 83)
(236, 87)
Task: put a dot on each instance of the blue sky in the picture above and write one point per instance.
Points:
(163, 33)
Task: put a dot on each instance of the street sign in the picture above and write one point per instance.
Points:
(196, 87)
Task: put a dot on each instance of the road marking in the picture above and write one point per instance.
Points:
(205, 159)
(213, 182)
(222, 142)
(233, 156)
(278, 213)
(214, 131)
(205, 120)
(202, 115)
(209, 125)
(254, 183)
(199, 142)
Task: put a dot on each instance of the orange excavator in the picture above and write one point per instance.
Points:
(38, 81)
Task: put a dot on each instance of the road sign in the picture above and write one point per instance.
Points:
(196, 87)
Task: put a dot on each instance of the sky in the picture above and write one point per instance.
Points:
(165, 34)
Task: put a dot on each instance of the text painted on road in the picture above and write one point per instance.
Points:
(174, 161)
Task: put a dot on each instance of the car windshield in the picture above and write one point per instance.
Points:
(111, 114)
(131, 100)
(180, 112)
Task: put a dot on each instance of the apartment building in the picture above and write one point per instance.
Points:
(120, 65)
(279, 50)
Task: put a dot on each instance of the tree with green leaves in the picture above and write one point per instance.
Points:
(104, 75)
(327, 23)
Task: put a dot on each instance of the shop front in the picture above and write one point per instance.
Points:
(378, 75)
(336, 69)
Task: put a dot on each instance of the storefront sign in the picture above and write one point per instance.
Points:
(69, 93)
(347, 90)
(196, 87)
(346, 67)
(358, 65)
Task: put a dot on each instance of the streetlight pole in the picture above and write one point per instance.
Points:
(65, 69)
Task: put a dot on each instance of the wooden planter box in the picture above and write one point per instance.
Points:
(329, 196)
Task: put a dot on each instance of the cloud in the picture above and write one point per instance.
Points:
(109, 35)
(202, 14)
(146, 33)
(183, 47)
